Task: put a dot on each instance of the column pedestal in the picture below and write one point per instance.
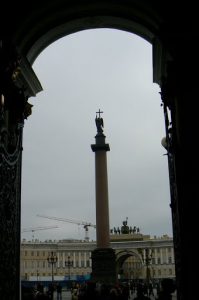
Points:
(104, 265)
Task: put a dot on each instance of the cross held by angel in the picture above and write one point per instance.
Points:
(99, 122)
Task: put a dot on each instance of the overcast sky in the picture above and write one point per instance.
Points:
(81, 73)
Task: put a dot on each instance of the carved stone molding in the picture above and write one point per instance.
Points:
(17, 83)
(10, 205)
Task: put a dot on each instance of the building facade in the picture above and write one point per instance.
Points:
(137, 257)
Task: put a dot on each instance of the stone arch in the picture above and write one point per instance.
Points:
(173, 31)
(123, 255)
(45, 26)
(49, 23)
(31, 30)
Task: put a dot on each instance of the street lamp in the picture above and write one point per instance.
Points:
(69, 264)
(52, 259)
(147, 260)
(37, 275)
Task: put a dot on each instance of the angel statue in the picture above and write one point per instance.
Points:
(99, 122)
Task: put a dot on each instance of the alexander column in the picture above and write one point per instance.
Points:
(103, 257)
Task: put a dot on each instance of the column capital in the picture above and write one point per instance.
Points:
(100, 147)
(100, 144)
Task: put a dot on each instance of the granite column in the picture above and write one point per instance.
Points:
(103, 257)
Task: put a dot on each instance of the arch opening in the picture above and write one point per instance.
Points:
(48, 23)
(106, 89)
(77, 25)
(129, 266)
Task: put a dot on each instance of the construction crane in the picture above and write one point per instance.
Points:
(86, 225)
(33, 229)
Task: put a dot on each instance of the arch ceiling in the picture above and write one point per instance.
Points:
(33, 27)
(43, 22)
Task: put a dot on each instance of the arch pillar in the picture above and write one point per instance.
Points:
(17, 84)
(178, 92)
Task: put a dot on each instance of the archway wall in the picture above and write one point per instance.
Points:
(51, 20)
(35, 26)
(84, 23)
(172, 28)
(123, 255)
(48, 21)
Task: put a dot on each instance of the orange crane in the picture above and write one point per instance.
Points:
(33, 229)
(86, 225)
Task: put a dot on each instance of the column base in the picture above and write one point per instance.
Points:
(104, 265)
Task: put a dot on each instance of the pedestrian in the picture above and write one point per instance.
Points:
(113, 294)
(74, 293)
(125, 292)
(150, 290)
(167, 288)
(59, 292)
(140, 294)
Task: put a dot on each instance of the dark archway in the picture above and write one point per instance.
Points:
(122, 256)
(60, 21)
(172, 30)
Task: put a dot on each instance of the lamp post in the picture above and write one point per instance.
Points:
(37, 275)
(147, 255)
(148, 259)
(52, 259)
(69, 264)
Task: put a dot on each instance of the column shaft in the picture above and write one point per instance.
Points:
(102, 206)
